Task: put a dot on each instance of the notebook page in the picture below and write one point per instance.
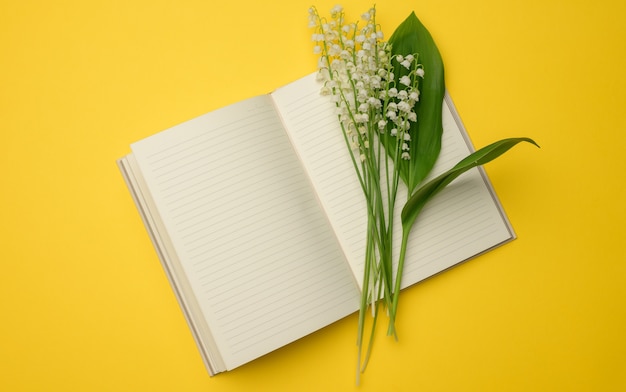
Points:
(257, 249)
(461, 222)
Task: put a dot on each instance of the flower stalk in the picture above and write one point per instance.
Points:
(375, 110)
(389, 107)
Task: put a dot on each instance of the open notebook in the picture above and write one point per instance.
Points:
(259, 221)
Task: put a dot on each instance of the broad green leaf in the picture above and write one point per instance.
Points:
(422, 195)
(411, 37)
(427, 191)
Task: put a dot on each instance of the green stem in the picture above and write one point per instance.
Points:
(364, 300)
(396, 290)
(372, 335)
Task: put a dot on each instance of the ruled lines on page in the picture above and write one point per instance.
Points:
(255, 245)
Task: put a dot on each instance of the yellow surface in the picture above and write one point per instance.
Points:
(85, 305)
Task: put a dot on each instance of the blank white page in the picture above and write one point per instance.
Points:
(253, 241)
(462, 221)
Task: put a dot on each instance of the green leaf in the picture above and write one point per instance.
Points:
(411, 37)
(422, 195)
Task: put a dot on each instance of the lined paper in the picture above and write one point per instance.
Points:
(461, 222)
(256, 247)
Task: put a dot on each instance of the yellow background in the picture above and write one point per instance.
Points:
(85, 305)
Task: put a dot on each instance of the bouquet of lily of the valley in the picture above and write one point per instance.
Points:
(389, 97)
